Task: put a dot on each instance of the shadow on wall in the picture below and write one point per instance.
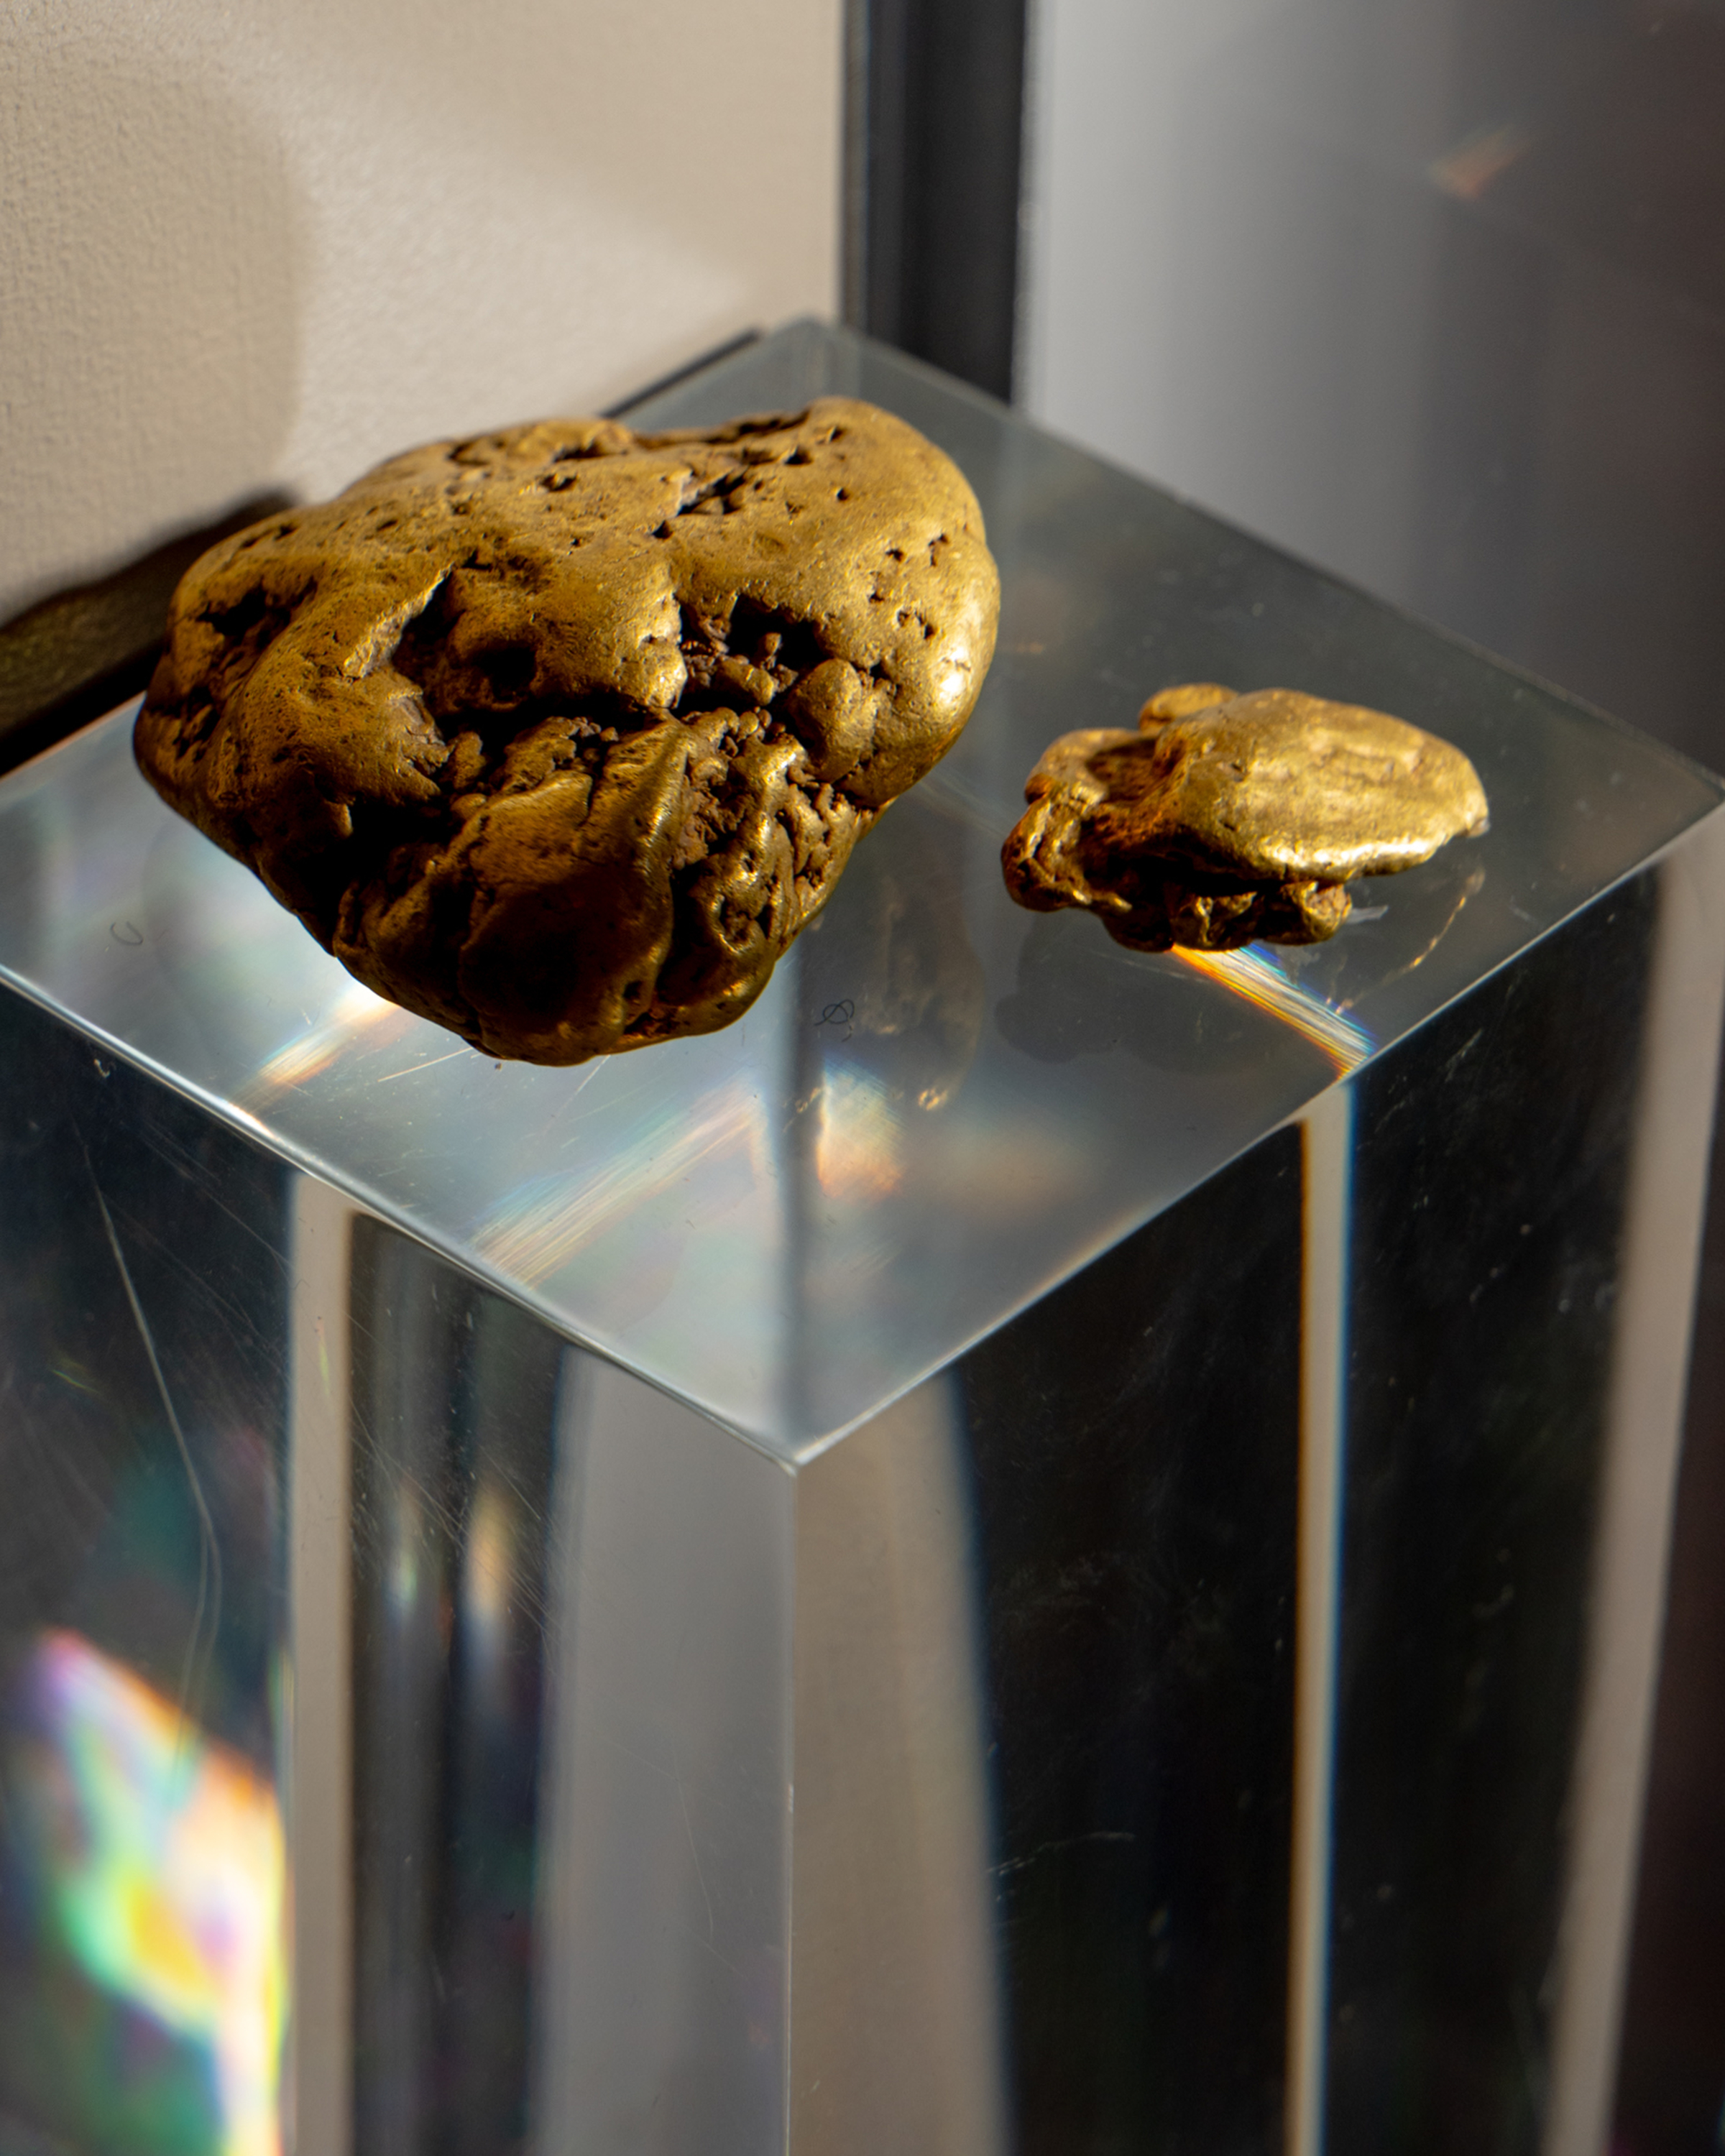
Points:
(68, 659)
(149, 345)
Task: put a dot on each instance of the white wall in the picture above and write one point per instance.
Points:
(249, 248)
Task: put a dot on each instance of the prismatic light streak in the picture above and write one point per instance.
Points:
(543, 1223)
(160, 1863)
(1257, 979)
(356, 1015)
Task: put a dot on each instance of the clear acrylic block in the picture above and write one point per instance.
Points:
(1035, 1549)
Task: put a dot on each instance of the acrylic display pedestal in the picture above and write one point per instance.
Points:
(1032, 1549)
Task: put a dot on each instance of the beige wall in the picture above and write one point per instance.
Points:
(250, 247)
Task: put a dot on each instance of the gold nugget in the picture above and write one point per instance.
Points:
(560, 734)
(1229, 820)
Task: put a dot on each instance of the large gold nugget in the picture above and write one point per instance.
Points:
(1228, 820)
(560, 735)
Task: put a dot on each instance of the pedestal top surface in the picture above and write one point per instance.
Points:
(942, 1105)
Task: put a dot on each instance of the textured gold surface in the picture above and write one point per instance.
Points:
(1228, 820)
(558, 736)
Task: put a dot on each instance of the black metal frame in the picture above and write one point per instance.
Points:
(934, 170)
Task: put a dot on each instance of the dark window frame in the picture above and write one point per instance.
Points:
(934, 175)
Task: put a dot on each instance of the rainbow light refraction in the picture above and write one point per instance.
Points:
(163, 1870)
(1256, 978)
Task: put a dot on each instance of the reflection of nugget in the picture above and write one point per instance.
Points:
(559, 736)
(1230, 819)
(920, 992)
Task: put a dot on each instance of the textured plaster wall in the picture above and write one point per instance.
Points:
(248, 249)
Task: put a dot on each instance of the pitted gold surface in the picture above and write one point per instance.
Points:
(559, 736)
(1228, 820)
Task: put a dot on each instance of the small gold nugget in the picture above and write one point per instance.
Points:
(1229, 820)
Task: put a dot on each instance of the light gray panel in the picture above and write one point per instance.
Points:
(664, 1874)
